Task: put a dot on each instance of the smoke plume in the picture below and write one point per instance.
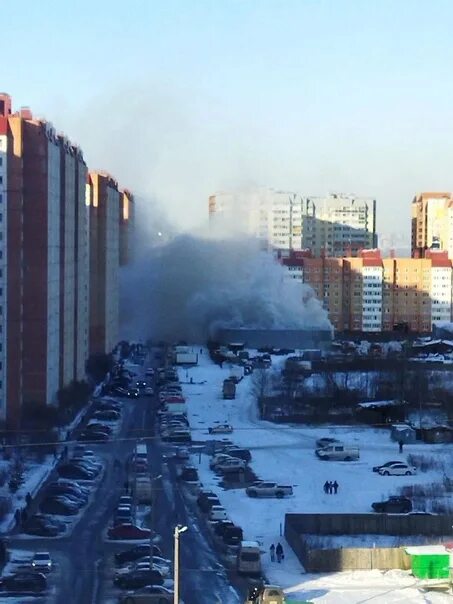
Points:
(190, 286)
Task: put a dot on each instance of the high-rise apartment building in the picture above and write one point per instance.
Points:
(127, 215)
(336, 225)
(373, 294)
(103, 199)
(432, 223)
(45, 261)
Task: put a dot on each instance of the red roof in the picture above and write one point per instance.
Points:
(372, 262)
(3, 125)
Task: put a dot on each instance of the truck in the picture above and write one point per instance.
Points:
(248, 560)
(186, 358)
(229, 389)
(268, 489)
(338, 452)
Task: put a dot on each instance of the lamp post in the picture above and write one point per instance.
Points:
(153, 517)
(178, 530)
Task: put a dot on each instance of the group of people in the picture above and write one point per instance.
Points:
(276, 552)
(331, 488)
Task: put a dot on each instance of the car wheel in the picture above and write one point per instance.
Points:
(253, 494)
(385, 473)
(408, 473)
(348, 459)
(279, 494)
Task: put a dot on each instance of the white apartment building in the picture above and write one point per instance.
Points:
(335, 225)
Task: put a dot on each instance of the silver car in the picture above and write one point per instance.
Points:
(152, 594)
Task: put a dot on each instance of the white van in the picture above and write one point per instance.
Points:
(142, 488)
(248, 560)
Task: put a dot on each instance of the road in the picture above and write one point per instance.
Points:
(84, 558)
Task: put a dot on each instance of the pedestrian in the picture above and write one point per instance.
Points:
(329, 487)
(335, 487)
(272, 552)
(28, 499)
(400, 443)
(326, 487)
(279, 552)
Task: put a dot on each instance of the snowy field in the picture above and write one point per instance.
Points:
(285, 454)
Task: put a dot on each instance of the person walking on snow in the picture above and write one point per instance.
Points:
(279, 552)
(400, 443)
(335, 486)
(330, 487)
(326, 487)
(272, 552)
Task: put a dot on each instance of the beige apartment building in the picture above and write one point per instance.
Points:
(374, 294)
(432, 223)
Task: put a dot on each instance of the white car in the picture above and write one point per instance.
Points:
(398, 469)
(42, 562)
(160, 564)
(217, 513)
(221, 429)
(219, 458)
(149, 391)
(230, 465)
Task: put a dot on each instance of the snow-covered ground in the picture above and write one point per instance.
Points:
(285, 453)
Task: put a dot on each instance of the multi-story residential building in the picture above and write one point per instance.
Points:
(339, 225)
(373, 294)
(127, 214)
(45, 262)
(432, 223)
(103, 199)
(336, 225)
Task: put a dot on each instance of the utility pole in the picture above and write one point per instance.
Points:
(178, 530)
(153, 519)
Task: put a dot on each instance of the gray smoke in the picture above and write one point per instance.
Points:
(188, 287)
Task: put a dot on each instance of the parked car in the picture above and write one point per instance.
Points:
(133, 393)
(125, 500)
(149, 372)
(92, 436)
(239, 453)
(89, 464)
(96, 426)
(149, 391)
(128, 531)
(151, 594)
(107, 415)
(42, 562)
(108, 406)
(75, 471)
(393, 505)
(219, 458)
(398, 469)
(42, 527)
(123, 515)
(135, 553)
(189, 474)
(163, 566)
(182, 454)
(58, 505)
(24, 581)
(268, 489)
(217, 512)
(385, 465)
(179, 436)
(138, 578)
(325, 441)
(72, 483)
(62, 489)
(231, 465)
(140, 384)
(221, 429)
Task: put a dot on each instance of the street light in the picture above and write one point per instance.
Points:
(151, 533)
(178, 530)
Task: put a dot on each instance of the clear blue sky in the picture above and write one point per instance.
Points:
(181, 98)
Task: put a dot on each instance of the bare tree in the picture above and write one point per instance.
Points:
(262, 387)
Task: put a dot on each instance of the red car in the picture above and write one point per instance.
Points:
(128, 531)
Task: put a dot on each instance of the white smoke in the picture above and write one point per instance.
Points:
(190, 286)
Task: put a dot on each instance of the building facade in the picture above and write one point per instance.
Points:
(374, 294)
(45, 235)
(432, 223)
(335, 225)
(103, 199)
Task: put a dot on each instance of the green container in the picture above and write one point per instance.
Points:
(431, 566)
